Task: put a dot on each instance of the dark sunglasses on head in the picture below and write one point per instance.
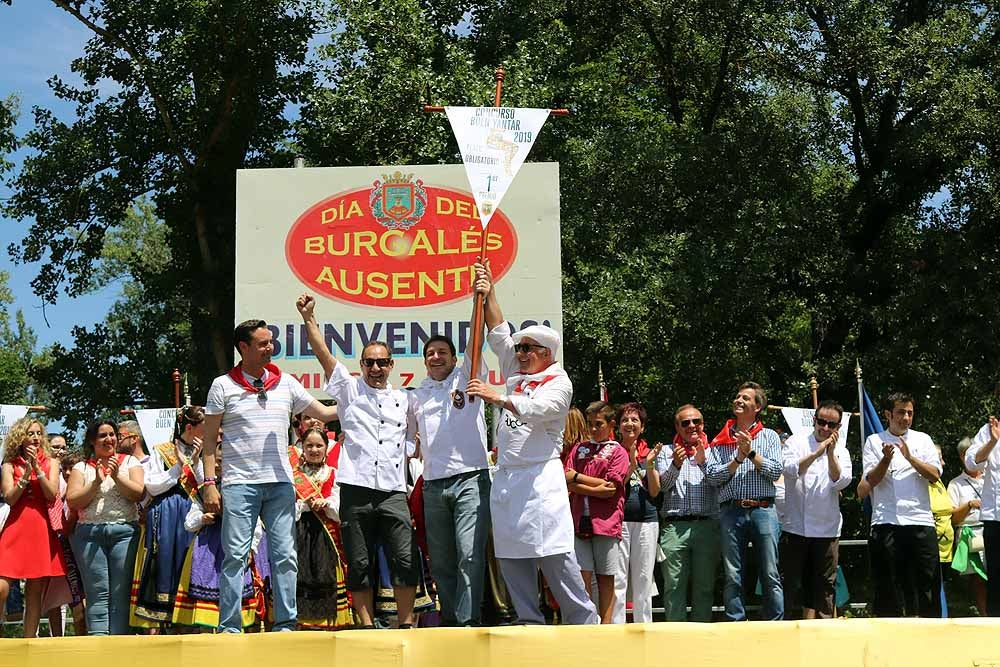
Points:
(526, 347)
(828, 424)
(688, 422)
(258, 384)
(382, 363)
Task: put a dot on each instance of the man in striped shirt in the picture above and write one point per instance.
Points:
(744, 460)
(253, 404)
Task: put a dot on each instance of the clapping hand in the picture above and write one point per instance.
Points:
(888, 450)
(744, 442)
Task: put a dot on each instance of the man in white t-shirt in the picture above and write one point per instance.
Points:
(900, 464)
(253, 403)
(379, 432)
(984, 455)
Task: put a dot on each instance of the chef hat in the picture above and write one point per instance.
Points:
(541, 334)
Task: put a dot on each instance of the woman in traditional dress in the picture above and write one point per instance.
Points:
(104, 490)
(321, 590)
(29, 547)
(196, 602)
(173, 473)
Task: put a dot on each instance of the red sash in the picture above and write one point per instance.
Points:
(273, 377)
(726, 436)
(306, 490)
(171, 456)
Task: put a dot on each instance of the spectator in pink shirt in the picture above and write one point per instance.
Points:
(596, 473)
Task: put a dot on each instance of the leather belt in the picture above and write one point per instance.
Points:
(686, 517)
(753, 504)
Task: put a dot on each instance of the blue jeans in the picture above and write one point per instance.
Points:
(760, 526)
(457, 519)
(242, 505)
(105, 554)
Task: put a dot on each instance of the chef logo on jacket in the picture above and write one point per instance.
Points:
(458, 399)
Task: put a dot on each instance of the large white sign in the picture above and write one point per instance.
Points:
(8, 415)
(388, 253)
(494, 142)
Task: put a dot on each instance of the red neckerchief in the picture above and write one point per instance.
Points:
(20, 463)
(688, 449)
(92, 462)
(726, 436)
(273, 377)
(534, 384)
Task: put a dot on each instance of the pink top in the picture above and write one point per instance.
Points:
(604, 460)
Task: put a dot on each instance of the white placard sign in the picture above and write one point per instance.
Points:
(8, 415)
(157, 425)
(801, 420)
(494, 142)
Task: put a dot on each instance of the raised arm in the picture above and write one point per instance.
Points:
(484, 285)
(306, 305)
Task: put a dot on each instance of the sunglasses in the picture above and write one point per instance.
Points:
(258, 384)
(382, 363)
(827, 424)
(525, 348)
(688, 422)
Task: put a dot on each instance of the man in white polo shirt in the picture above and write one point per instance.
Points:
(984, 455)
(456, 482)
(253, 404)
(817, 468)
(379, 430)
(900, 464)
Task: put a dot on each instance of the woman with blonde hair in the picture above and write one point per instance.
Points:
(29, 547)
(576, 430)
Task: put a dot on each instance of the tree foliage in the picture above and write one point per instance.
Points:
(751, 189)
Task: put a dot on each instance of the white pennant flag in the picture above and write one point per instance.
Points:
(800, 420)
(157, 425)
(8, 415)
(494, 142)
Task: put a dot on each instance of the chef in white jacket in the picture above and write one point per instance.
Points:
(529, 503)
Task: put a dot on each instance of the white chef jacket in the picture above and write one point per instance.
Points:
(812, 500)
(452, 429)
(903, 497)
(378, 430)
(529, 503)
(991, 474)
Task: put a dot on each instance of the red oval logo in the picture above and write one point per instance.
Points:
(397, 244)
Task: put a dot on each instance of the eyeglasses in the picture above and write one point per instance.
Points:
(688, 422)
(258, 384)
(125, 435)
(525, 348)
(382, 363)
(827, 424)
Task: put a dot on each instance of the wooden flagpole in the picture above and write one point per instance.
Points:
(475, 345)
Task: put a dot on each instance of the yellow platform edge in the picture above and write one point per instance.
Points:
(969, 642)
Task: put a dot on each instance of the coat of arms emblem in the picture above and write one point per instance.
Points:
(397, 201)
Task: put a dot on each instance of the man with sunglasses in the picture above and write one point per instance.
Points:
(529, 503)
(817, 469)
(253, 404)
(744, 460)
(689, 521)
(379, 428)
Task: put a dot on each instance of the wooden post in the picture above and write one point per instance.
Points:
(814, 386)
(176, 376)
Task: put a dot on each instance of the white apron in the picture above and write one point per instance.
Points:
(529, 506)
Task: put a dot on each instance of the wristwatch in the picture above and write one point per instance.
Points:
(751, 455)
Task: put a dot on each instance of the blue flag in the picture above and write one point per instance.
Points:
(869, 415)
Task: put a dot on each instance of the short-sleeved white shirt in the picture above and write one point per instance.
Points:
(379, 429)
(902, 498)
(255, 429)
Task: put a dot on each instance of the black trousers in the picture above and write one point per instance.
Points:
(991, 538)
(906, 575)
(809, 574)
(369, 517)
